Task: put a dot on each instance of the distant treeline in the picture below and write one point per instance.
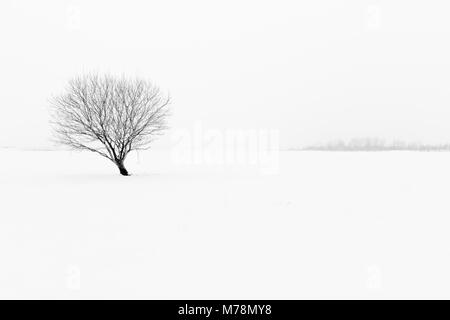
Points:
(376, 144)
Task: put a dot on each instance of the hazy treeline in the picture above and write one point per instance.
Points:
(376, 144)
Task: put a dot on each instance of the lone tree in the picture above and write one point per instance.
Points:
(110, 116)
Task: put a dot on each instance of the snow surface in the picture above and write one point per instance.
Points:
(327, 225)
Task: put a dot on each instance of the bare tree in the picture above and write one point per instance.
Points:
(109, 116)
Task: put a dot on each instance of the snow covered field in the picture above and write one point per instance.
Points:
(327, 225)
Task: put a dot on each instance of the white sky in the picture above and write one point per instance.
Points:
(315, 70)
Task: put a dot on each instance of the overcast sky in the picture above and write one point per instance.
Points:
(315, 70)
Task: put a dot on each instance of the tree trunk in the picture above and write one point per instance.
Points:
(122, 169)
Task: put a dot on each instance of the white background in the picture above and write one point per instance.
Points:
(322, 225)
(315, 70)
